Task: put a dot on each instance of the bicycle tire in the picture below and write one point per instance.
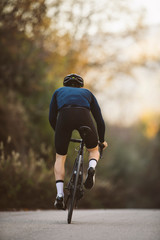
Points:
(73, 195)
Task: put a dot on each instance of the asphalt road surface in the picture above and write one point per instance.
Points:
(86, 225)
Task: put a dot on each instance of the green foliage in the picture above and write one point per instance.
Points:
(25, 182)
(25, 15)
(23, 66)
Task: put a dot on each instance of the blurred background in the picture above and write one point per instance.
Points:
(114, 46)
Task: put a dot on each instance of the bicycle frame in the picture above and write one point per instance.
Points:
(75, 185)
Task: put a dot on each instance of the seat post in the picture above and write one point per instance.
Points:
(81, 147)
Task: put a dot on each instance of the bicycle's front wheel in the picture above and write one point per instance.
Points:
(72, 198)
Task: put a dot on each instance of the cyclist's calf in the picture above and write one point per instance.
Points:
(94, 153)
(59, 169)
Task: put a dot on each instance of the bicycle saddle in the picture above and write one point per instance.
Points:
(84, 131)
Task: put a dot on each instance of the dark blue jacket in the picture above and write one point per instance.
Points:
(82, 97)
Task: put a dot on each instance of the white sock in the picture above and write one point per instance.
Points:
(93, 163)
(59, 186)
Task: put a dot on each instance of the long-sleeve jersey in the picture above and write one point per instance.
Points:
(80, 97)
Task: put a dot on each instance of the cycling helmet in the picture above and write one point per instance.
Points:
(73, 80)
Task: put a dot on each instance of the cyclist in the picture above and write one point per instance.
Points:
(69, 110)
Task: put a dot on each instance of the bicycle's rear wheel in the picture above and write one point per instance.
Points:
(72, 198)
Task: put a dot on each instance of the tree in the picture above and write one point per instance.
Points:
(22, 65)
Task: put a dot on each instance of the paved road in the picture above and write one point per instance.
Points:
(87, 225)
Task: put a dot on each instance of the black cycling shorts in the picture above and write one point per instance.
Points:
(70, 119)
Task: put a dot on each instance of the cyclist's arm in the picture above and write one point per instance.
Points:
(96, 111)
(53, 111)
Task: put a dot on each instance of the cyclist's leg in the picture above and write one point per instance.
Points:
(91, 139)
(93, 159)
(59, 169)
(61, 143)
(59, 172)
(62, 137)
(93, 153)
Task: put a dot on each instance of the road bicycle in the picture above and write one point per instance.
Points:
(74, 189)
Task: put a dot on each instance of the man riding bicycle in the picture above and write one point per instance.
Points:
(70, 109)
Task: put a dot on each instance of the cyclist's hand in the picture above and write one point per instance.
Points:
(102, 146)
(105, 144)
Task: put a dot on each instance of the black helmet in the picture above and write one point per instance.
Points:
(73, 80)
